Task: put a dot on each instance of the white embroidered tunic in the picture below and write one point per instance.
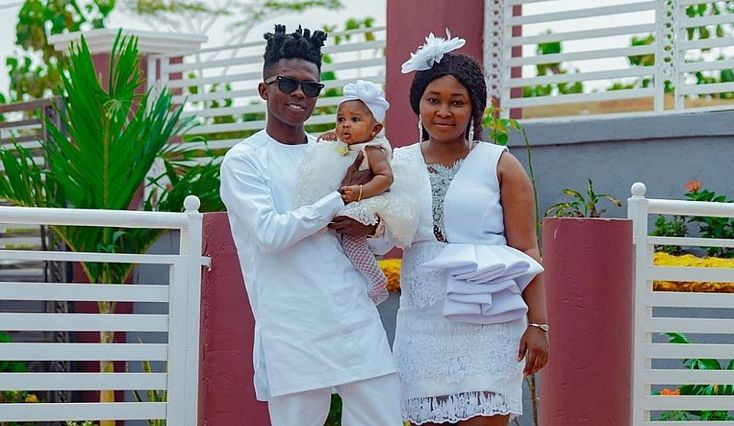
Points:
(315, 327)
(452, 370)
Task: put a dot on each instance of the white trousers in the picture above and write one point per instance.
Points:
(371, 402)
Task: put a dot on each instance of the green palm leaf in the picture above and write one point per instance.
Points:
(112, 138)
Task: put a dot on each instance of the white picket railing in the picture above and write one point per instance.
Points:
(597, 48)
(180, 324)
(219, 85)
(646, 378)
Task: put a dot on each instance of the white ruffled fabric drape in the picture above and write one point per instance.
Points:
(484, 282)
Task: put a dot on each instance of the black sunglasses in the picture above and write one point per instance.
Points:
(289, 85)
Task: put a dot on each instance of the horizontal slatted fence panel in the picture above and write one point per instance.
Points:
(83, 351)
(566, 59)
(218, 86)
(82, 381)
(83, 410)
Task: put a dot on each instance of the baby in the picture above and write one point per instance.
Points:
(358, 126)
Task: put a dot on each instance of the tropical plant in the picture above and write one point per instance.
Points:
(114, 136)
(34, 71)
(183, 179)
(711, 227)
(582, 205)
(700, 389)
(676, 227)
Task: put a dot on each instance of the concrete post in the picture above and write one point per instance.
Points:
(589, 281)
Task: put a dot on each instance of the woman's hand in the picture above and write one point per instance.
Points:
(347, 226)
(534, 348)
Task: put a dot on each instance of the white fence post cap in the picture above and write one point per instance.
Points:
(638, 190)
(149, 42)
(192, 204)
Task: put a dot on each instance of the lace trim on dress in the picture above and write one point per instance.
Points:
(455, 408)
(441, 177)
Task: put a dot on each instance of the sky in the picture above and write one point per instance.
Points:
(314, 18)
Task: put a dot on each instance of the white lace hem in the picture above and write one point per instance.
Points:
(457, 407)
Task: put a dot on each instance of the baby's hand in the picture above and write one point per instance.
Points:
(351, 193)
(328, 136)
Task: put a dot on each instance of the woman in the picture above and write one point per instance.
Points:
(459, 365)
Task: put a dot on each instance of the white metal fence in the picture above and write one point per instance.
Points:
(649, 323)
(23, 124)
(180, 324)
(582, 53)
(219, 86)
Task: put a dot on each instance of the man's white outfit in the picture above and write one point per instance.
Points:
(315, 327)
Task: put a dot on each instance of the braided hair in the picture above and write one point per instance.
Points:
(300, 44)
(468, 72)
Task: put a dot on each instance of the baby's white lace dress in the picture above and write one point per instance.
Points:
(323, 169)
(449, 371)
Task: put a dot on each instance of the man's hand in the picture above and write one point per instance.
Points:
(356, 177)
(348, 226)
(328, 136)
(351, 193)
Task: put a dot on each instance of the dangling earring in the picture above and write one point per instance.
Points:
(420, 130)
(471, 131)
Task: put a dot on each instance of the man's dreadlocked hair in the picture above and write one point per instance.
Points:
(300, 44)
(468, 72)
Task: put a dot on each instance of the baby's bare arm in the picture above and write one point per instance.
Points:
(380, 166)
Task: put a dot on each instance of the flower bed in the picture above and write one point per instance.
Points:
(391, 268)
(665, 259)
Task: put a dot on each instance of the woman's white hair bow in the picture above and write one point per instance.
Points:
(431, 52)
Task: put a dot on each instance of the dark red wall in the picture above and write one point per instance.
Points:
(226, 392)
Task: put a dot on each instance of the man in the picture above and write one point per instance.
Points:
(315, 327)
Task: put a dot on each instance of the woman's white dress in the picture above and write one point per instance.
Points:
(450, 370)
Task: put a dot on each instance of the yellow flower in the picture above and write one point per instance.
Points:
(665, 259)
(391, 268)
(31, 397)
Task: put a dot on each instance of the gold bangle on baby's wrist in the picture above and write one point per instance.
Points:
(361, 188)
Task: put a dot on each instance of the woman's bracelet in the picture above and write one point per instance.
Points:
(543, 327)
(361, 188)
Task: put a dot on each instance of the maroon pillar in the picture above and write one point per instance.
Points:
(408, 23)
(589, 286)
(226, 391)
